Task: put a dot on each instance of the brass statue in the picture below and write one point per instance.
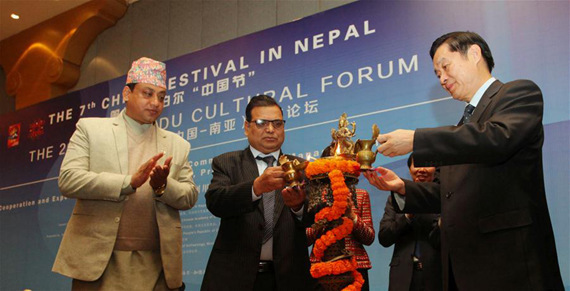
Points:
(342, 145)
(343, 136)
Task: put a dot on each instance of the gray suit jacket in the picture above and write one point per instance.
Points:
(92, 172)
(496, 229)
(235, 256)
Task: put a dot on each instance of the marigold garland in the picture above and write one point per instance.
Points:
(331, 268)
(332, 236)
(358, 281)
(335, 170)
(340, 198)
(325, 166)
(339, 267)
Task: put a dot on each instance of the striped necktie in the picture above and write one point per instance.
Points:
(268, 203)
(467, 114)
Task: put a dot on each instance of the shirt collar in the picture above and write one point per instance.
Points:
(477, 97)
(256, 153)
(134, 125)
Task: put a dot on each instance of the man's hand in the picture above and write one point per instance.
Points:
(144, 171)
(350, 213)
(271, 179)
(387, 181)
(294, 197)
(159, 174)
(396, 143)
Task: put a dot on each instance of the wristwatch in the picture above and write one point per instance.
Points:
(159, 190)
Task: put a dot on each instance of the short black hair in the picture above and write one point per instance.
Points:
(328, 151)
(258, 101)
(410, 160)
(131, 86)
(460, 41)
(435, 174)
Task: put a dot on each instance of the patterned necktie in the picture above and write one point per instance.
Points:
(467, 113)
(417, 251)
(268, 203)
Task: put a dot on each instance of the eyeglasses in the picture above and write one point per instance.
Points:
(262, 123)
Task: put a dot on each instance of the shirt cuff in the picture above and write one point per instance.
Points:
(299, 214)
(253, 196)
(400, 200)
(127, 188)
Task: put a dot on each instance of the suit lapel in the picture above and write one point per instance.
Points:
(249, 165)
(485, 100)
(279, 204)
(121, 144)
(250, 172)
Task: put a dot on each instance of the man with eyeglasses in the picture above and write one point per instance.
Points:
(261, 243)
(129, 179)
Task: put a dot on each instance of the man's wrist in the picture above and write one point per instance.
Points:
(158, 191)
(298, 212)
(402, 189)
(255, 188)
(297, 208)
(127, 188)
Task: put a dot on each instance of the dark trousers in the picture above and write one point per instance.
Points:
(265, 280)
(417, 283)
(452, 285)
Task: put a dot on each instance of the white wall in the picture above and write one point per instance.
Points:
(165, 29)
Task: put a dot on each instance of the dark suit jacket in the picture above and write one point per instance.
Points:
(234, 259)
(396, 230)
(496, 229)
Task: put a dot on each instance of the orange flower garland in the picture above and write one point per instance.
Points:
(340, 198)
(335, 170)
(332, 236)
(358, 281)
(331, 268)
(339, 267)
(325, 166)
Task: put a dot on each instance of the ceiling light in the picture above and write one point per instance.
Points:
(15, 16)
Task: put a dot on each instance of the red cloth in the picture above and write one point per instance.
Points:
(362, 233)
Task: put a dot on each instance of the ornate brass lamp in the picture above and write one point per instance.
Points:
(292, 169)
(331, 190)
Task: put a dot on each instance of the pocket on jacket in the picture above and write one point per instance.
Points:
(506, 220)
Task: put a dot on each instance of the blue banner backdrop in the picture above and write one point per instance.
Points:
(369, 59)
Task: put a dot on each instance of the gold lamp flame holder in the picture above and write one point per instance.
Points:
(343, 147)
(292, 169)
